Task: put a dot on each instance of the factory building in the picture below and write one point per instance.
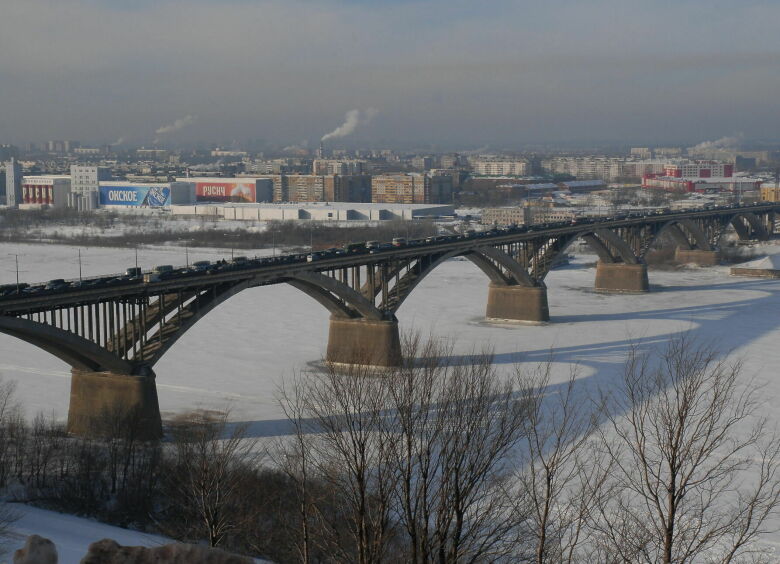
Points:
(701, 185)
(316, 211)
(50, 191)
(224, 190)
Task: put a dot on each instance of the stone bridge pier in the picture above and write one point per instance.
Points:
(364, 341)
(517, 303)
(621, 277)
(104, 403)
(700, 257)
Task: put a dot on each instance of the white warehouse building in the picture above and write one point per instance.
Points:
(318, 211)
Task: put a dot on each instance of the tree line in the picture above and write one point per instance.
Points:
(112, 229)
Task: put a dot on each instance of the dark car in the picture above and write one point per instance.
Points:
(56, 285)
(11, 289)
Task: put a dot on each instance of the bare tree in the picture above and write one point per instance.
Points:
(417, 455)
(695, 471)
(206, 478)
(10, 419)
(10, 415)
(558, 480)
(341, 408)
(294, 460)
(456, 423)
(454, 426)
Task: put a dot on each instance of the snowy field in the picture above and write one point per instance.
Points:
(72, 535)
(237, 355)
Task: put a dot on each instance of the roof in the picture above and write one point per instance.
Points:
(546, 186)
(583, 183)
(322, 205)
(704, 180)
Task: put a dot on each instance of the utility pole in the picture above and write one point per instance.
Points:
(80, 278)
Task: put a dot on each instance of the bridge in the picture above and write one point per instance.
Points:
(112, 330)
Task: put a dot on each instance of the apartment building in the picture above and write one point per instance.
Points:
(500, 167)
(411, 189)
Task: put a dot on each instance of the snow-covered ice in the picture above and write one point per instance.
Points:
(239, 353)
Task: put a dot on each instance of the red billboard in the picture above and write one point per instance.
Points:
(231, 191)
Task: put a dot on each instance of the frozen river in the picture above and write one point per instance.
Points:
(239, 353)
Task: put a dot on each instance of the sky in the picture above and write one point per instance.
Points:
(439, 73)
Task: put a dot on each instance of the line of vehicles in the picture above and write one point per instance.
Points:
(136, 275)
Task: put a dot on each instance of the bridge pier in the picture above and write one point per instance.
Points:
(364, 341)
(621, 277)
(697, 256)
(101, 401)
(517, 303)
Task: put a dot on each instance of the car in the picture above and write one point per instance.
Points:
(371, 245)
(133, 272)
(34, 289)
(158, 273)
(56, 285)
(354, 247)
(399, 242)
(201, 265)
(12, 289)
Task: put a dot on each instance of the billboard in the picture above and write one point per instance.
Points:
(236, 191)
(139, 196)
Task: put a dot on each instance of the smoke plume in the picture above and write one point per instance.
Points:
(175, 126)
(722, 143)
(118, 142)
(352, 120)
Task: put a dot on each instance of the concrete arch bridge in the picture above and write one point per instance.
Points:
(112, 330)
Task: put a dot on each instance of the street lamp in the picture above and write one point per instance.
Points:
(186, 251)
(16, 258)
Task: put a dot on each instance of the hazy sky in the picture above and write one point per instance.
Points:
(450, 72)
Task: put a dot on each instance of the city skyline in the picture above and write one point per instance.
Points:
(428, 72)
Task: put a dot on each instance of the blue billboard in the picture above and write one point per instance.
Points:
(138, 195)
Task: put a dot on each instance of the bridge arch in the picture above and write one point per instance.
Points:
(608, 246)
(338, 298)
(78, 352)
(747, 224)
(498, 266)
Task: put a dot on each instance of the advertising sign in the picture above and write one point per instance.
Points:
(225, 191)
(139, 196)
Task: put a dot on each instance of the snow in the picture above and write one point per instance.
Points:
(771, 262)
(72, 535)
(237, 356)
